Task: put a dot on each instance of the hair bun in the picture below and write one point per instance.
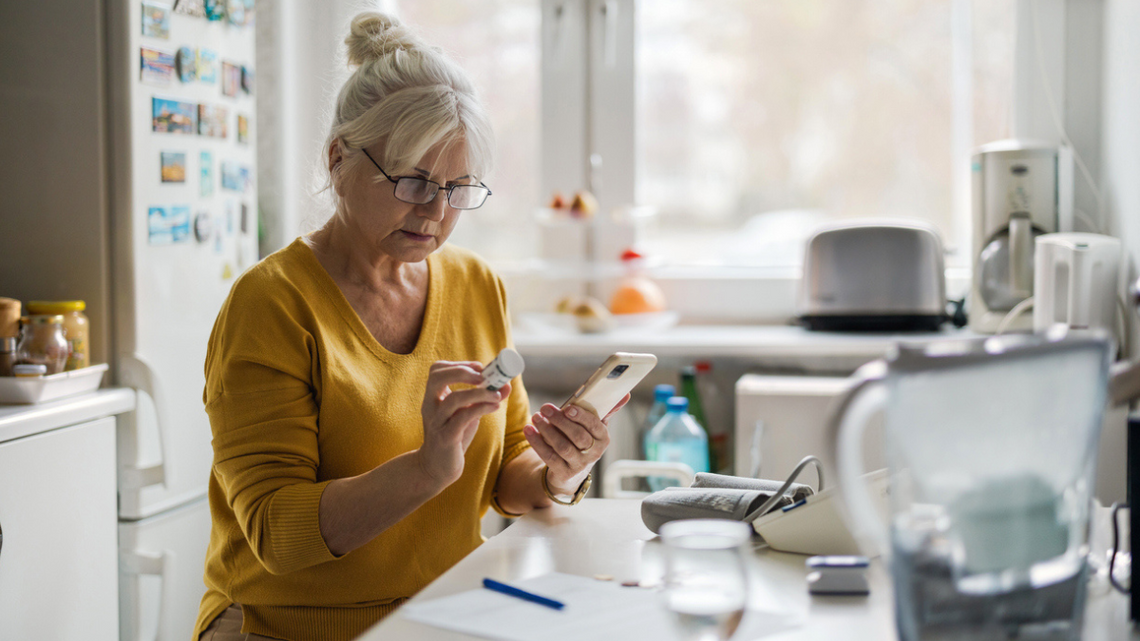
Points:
(374, 35)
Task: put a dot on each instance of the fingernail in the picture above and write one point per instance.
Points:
(572, 412)
(548, 411)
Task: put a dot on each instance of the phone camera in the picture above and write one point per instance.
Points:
(617, 371)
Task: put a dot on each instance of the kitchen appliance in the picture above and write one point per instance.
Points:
(137, 193)
(991, 446)
(1020, 190)
(1075, 282)
(873, 275)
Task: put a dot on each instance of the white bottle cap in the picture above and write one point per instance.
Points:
(507, 365)
(510, 363)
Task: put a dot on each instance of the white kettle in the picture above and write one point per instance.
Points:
(1075, 282)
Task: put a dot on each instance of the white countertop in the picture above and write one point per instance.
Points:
(753, 342)
(607, 536)
(17, 421)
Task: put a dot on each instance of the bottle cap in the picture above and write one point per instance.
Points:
(703, 367)
(663, 392)
(510, 362)
(29, 369)
(677, 404)
(55, 306)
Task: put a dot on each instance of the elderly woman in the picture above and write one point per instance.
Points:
(354, 450)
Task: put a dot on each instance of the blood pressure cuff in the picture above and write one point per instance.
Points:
(716, 496)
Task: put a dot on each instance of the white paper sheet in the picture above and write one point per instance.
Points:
(594, 610)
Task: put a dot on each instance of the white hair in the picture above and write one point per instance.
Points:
(408, 95)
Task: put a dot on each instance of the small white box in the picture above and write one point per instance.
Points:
(781, 419)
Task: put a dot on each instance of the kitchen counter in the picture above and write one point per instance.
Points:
(17, 421)
(777, 345)
(607, 536)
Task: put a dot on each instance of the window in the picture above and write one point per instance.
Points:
(743, 124)
(497, 43)
(760, 120)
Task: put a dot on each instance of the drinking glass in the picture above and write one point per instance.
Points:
(706, 584)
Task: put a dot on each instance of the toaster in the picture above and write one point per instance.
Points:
(873, 276)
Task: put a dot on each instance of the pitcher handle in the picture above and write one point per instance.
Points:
(1021, 254)
(848, 422)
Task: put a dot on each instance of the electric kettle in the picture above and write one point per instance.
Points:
(1076, 282)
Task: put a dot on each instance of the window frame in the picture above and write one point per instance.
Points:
(588, 139)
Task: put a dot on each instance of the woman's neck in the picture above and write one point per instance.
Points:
(349, 259)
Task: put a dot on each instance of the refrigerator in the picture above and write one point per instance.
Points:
(129, 181)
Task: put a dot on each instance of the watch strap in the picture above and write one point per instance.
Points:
(579, 494)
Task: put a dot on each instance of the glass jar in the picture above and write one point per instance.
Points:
(42, 342)
(76, 328)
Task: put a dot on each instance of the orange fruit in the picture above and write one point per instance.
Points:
(637, 296)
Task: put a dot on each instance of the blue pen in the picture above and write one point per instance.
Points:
(492, 584)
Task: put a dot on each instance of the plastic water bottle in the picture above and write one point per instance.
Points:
(661, 395)
(677, 438)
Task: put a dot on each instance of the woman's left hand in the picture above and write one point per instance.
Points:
(569, 441)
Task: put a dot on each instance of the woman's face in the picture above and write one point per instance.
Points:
(403, 231)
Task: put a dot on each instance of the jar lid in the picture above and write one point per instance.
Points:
(29, 369)
(55, 306)
(45, 319)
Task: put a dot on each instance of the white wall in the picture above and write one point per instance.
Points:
(1121, 122)
(301, 67)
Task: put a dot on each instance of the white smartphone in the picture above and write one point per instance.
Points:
(619, 374)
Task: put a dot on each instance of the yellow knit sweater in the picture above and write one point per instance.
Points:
(300, 393)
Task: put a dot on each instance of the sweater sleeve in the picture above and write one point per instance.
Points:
(518, 407)
(263, 415)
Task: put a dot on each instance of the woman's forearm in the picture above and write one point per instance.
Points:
(355, 510)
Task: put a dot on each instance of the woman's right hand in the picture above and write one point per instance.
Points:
(451, 418)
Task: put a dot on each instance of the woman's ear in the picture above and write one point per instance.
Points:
(336, 159)
(335, 156)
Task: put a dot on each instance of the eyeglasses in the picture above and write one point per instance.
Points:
(421, 191)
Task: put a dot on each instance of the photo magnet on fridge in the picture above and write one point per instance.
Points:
(156, 20)
(235, 11)
(247, 80)
(173, 116)
(180, 223)
(206, 174)
(212, 120)
(156, 66)
(187, 64)
(207, 66)
(203, 226)
(196, 8)
(244, 218)
(231, 79)
(216, 9)
(231, 176)
(167, 225)
(242, 129)
(173, 166)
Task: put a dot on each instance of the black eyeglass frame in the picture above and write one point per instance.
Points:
(438, 187)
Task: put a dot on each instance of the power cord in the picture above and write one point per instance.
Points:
(771, 503)
(1116, 507)
(1017, 310)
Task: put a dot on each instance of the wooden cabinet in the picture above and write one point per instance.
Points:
(59, 551)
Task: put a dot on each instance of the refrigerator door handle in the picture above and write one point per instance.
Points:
(135, 372)
(137, 562)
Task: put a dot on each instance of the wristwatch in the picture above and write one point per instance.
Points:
(578, 494)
